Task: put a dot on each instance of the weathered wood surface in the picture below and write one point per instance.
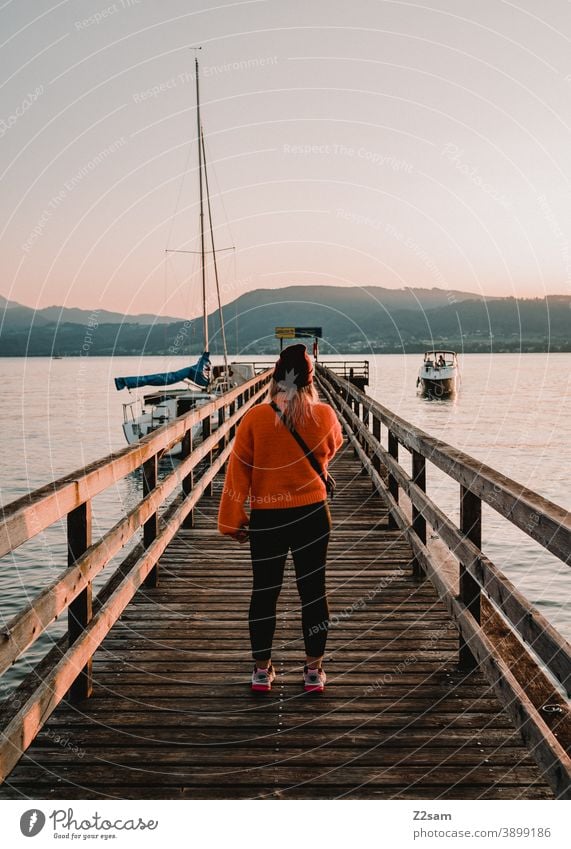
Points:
(172, 715)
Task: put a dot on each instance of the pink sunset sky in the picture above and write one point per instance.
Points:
(364, 143)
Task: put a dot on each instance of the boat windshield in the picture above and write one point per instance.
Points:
(439, 359)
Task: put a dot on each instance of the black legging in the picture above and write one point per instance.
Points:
(305, 530)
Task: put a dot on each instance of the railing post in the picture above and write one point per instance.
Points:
(206, 431)
(188, 480)
(231, 411)
(79, 611)
(418, 520)
(471, 527)
(356, 411)
(364, 444)
(376, 458)
(151, 526)
(393, 483)
(221, 420)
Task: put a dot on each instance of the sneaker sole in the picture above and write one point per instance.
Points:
(313, 688)
(261, 688)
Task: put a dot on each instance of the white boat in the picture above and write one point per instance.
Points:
(143, 415)
(439, 374)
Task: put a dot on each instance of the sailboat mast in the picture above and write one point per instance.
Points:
(220, 312)
(200, 169)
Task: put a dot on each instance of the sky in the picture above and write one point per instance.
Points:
(349, 143)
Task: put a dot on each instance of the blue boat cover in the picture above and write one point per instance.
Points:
(198, 373)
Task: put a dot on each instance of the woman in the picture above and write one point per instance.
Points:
(288, 509)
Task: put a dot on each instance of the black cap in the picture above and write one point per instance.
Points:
(294, 367)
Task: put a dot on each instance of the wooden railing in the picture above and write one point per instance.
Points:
(66, 670)
(499, 629)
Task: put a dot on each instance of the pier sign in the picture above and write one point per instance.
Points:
(298, 332)
(285, 332)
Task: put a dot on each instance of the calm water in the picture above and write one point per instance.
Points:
(513, 412)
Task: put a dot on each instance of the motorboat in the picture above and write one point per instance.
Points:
(438, 376)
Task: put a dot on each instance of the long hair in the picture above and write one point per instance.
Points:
(296, 404)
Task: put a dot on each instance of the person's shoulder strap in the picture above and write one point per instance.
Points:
(301, 442)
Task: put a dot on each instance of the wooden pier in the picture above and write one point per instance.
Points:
(442, 677)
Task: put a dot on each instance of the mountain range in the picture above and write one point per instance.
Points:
(368, 319)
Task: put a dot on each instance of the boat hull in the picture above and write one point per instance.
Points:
(442, 388)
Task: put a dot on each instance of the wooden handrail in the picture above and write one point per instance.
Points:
(543, 520)
(476, 572)
(30, 515)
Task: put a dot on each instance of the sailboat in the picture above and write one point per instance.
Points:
(143, 415)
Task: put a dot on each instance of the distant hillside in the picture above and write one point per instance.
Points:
(354, 320)
(14, 315)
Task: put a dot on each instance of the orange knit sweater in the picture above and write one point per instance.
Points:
(268, 465)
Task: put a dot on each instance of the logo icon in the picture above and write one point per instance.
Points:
(32, 822)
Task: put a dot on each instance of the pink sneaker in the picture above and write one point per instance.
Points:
(314, 680)
(262, 679)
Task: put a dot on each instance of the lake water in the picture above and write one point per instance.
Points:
(512, 412)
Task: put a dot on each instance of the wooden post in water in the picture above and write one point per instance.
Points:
(418, 520)
(79, 611)
(206, 431)
(188, 480)
(151, 526)
(471, 527)
(376, 458)
(393, 483)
